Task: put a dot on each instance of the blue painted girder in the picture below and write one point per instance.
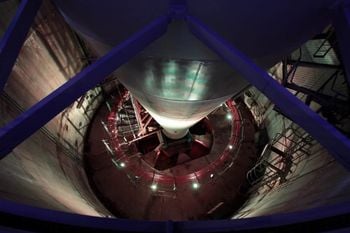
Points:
(30, 121)
(38, 219)
(37, 116)
(328, 136)
(14, 37)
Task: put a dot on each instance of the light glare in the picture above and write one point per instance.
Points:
(195, 185)
(154, 187)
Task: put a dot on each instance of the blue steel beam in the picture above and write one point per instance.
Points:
(341, 23)
(41, 220)
(37, 116)
(14, 37)
(334, 141)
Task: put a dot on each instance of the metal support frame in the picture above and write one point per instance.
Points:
(41, 220)
(322, 99)
(328, 101)
(341, 22)
(14, 37)
(30, 121)
(137, 111)
(334, 141)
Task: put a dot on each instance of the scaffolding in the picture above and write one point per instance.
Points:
(279, 159)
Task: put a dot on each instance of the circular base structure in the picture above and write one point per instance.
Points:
(138, 173)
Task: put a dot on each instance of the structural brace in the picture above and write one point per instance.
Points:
(291, 106)
(14, 37)
(42, 112)
(30, 121)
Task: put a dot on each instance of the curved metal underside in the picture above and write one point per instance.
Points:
(177, 79)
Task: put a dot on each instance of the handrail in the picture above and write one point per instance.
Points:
(278, 168)
(166, 181)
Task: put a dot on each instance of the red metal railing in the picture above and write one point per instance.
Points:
(141, 172)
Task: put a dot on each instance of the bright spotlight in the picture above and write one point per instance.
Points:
(122, 164)
(230, 147)
(195, 185)
(154, 187)
(228, 116)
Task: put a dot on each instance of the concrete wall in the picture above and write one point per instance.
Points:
(47, 169)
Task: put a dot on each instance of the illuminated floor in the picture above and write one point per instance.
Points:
(202, 188)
